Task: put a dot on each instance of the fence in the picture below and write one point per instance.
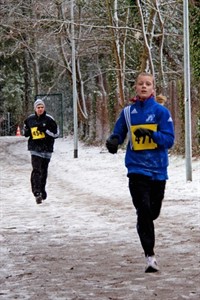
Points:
(9, 124)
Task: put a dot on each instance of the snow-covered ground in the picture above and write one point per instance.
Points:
(81, 243)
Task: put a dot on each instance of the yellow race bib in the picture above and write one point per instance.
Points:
(143, 143)
(36, 134)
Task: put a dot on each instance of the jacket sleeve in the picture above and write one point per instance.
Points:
(52, 129)
(120, 129)
(164, 137)
(26, 129)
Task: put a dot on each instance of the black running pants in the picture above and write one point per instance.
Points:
(39, 173)
(147, 196)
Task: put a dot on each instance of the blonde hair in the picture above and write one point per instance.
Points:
(146, 74)
(161, 99)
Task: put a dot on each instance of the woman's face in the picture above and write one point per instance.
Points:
(144, 87)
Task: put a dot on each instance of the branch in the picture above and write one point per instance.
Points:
(145, 39)
(162, 41)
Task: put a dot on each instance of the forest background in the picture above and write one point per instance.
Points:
(114, 40)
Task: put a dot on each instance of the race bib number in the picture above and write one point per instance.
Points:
(146, 142)
(36, 134)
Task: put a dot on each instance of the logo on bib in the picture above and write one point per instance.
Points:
(36, 134)
(144, 142)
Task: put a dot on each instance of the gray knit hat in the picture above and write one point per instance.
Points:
(38, 102)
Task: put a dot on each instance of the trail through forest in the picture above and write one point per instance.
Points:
(81, 243)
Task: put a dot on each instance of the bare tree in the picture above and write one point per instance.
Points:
(119, 46)
(113, 42)
(158, 19)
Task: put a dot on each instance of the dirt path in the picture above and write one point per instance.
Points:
(77, 246)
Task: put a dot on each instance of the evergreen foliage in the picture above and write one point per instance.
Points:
(194, 40)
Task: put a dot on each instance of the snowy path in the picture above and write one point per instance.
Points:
(81, 243)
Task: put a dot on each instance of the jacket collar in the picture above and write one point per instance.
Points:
(146, 102)
(41, 116)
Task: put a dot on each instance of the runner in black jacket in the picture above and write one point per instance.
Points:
(42, 130)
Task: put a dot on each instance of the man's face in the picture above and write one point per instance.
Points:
(144, 87)
(39, 109)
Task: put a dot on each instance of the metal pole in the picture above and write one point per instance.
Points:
(9, 124)
(74, 83)
(188, 138)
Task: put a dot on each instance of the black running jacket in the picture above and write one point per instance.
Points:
(41, 141)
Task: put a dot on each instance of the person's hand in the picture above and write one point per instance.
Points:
(27, 131)
(141, 132)
(26, 123)
(42, 127)
(112, 144)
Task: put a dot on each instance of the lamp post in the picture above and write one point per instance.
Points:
(74, 82)
(187, 100)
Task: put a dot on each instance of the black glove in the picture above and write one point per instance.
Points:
(42, 127)
(112, 144)
(141, 132)
(27, 131)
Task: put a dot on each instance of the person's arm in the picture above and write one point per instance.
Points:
(164, 136)
(50, 128)
(26, 129)
(118, 135)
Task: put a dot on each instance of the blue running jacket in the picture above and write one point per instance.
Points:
(146, 155)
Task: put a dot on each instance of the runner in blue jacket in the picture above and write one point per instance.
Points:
(150, 131)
